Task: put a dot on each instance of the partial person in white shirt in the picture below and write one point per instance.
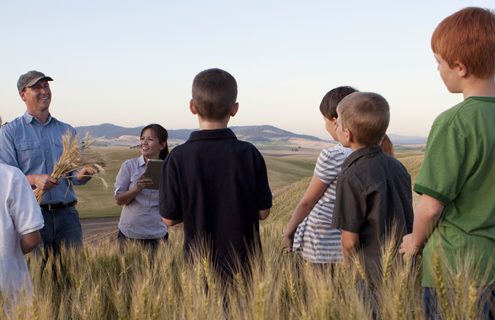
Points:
(140, 220)
(20, 222)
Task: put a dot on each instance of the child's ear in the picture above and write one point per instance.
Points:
(349, 137)
(234, 109)
(192, 107)
(461, 68)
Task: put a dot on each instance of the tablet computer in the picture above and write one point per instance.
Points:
(153, 171)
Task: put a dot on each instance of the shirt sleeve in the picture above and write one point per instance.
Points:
(350, 205)
(123, 179)
(23, 207)
(445, 167)
(264, 197)
(327, 169)
(169, 194)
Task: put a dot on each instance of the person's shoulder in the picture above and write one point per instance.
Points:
(179, 149)
(11, 125)
(10, 173)
(394, 164)
(243, 146)
(458, 111)
(131, 162)
(62, 124)
(335, 151)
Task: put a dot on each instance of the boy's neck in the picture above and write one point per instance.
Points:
(356, 146)
(479, 87)
(207, 124)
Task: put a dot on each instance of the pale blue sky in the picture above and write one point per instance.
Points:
(132, 62)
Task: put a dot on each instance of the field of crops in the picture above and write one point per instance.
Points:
(103, 282)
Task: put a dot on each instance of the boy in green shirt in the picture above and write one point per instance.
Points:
(455, 215)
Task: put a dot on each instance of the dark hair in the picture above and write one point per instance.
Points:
(214, 92)
(387, 145)
(328, 105)
(162, 135)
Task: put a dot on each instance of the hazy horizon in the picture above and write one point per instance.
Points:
(132, 63)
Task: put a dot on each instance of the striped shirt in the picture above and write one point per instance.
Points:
(315, 239)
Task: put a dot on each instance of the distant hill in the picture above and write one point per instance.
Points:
(257, 134)
(398, 139)
(250, 133)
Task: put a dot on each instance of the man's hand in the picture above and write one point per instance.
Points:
(44, 182)
(86, 173)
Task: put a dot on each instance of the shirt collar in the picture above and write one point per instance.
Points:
(29, 118)
(141, 161)
(361, 153)
(224, 133)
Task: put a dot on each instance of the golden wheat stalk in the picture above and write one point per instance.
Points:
(74, 157)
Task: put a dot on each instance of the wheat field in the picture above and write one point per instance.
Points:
(103, 282)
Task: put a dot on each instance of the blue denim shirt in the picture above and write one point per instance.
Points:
(34, 148)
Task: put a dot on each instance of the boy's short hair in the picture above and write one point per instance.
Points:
(214, 92)
(468, 36)
(367, 115)
(328, 105)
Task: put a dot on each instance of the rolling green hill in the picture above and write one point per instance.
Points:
(96, 200)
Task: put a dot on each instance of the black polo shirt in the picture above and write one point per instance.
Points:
(216, 184)
(373, 193)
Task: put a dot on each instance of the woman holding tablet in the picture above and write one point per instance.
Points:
(140, 219)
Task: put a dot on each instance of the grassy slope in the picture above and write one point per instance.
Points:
(97, 201)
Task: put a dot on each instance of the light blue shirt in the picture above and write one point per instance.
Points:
(140, 219)
(34, 148)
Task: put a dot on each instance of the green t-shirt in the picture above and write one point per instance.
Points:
(459, 171)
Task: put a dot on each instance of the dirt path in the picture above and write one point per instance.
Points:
(99, 229)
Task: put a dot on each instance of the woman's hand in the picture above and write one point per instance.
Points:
(141, 183)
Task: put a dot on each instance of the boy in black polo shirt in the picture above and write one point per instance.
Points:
(374, 189)
(214, 183)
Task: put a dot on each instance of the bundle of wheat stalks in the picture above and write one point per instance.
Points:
(74, 157)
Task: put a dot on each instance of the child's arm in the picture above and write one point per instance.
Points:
(426, 215)
(350, 242)
(263, 214)
(170, 222)
(30, 241)
(314, 192)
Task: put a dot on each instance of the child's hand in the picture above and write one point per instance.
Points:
(408, 247)
(287, 241)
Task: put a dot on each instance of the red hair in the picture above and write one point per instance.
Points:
(467, 36)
